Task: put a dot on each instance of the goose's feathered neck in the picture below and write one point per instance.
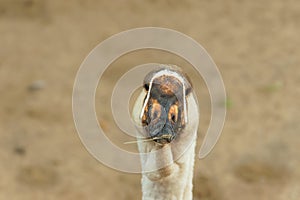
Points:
(173, 162)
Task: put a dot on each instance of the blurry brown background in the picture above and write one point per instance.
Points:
(256, 45)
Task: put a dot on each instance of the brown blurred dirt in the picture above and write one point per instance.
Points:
(256, 45)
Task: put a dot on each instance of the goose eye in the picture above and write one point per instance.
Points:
(146, 86)
(173, 113)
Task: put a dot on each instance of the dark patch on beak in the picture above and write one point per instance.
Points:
(161, 130)
(166, 135)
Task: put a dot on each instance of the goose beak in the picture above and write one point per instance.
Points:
(164, 139)
(157, 119)
(161, 130)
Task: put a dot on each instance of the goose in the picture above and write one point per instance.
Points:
(167, 117)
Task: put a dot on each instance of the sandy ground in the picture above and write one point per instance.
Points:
(255, 44)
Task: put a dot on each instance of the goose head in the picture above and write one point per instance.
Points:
(164, 111)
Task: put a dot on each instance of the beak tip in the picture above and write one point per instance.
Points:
(164, 138)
